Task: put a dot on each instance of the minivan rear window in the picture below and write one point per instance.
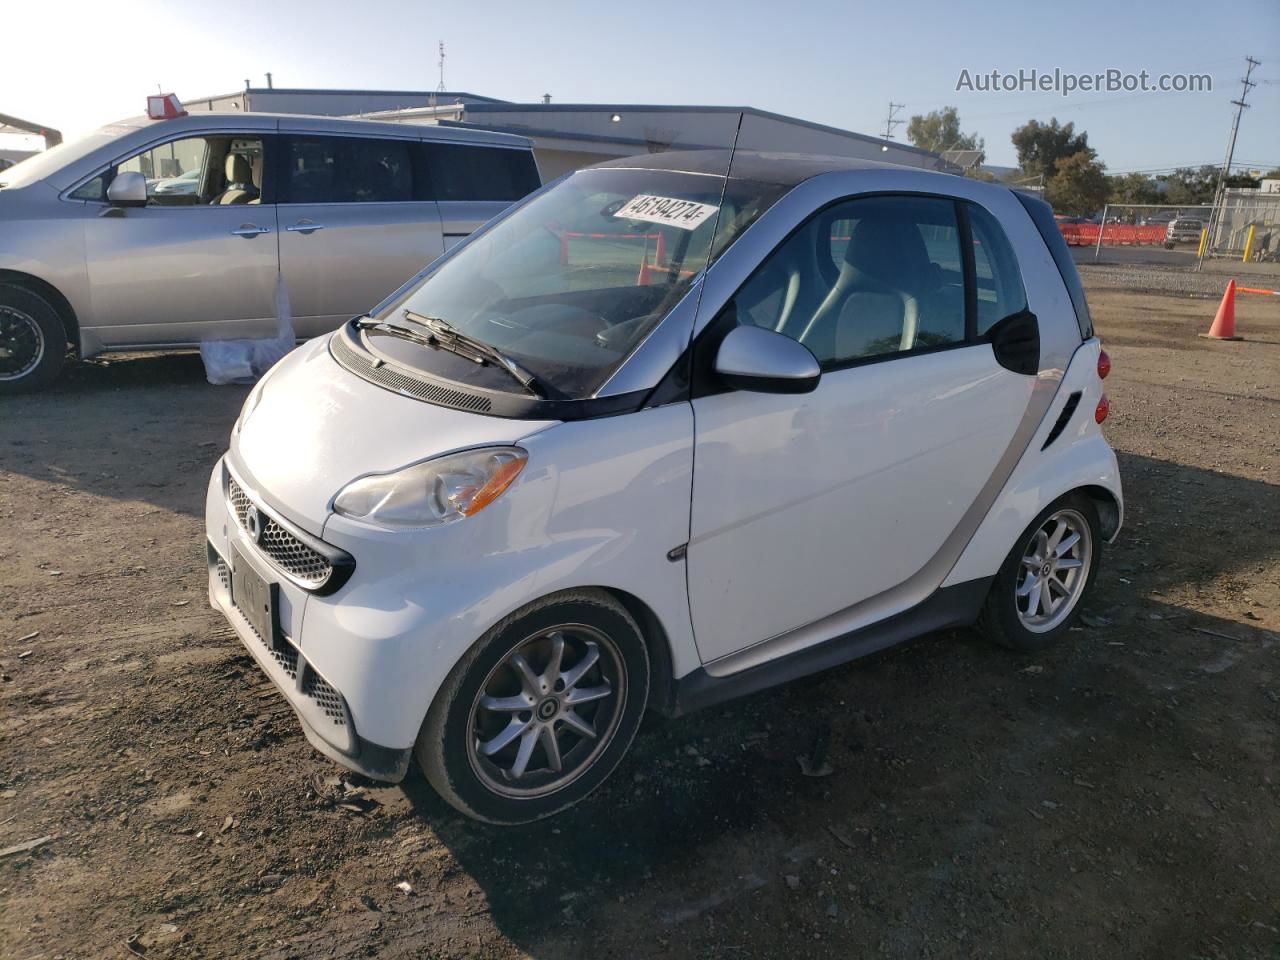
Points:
(1042, 216)
(461, 172)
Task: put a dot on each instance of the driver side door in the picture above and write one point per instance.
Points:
(186, 267)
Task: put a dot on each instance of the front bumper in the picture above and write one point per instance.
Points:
(319, 704)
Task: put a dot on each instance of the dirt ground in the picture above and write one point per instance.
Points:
(1118, 796)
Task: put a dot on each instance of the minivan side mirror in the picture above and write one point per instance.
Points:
(128, 189)
(764, 361)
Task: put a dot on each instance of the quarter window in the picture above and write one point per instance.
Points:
(347, 170)
(997, 281)
(480, 173)
(865, 278)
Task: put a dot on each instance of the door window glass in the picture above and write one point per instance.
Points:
(196, 171)
(347, 170)
(460, 172)
(997, 279)
(865, 278)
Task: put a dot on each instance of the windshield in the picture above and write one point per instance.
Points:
(55, 158)
(569, 284)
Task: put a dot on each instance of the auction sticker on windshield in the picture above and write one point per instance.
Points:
(685, 214)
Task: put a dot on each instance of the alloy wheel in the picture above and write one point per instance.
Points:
(1054, 570)
(546, 711)
(21, 343)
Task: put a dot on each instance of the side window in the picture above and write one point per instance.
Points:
(346, 170)
(95, 189)
(460, 172)
(193, 171)
(997, 278)
(865, 278)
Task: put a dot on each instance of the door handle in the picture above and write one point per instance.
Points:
(249, 230)
(305, 226)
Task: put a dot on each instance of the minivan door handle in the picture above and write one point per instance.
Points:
(305, 226)
(249, 230)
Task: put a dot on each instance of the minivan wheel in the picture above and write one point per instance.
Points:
(540, 711)
(33, 341)
(1039, 590)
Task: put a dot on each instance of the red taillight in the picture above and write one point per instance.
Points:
(1104, 407)
(1104, 366)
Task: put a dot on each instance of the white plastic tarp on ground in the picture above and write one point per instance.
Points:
(244, 361)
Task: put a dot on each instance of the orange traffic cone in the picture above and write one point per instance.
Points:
(1224, 322)
(642, 279)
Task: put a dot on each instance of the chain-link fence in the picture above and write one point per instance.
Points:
(1246, 227)
(1173, 227)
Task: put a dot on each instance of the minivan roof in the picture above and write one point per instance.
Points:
(68, 162)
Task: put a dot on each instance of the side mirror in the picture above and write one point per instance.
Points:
(128, 190)
(763, 361)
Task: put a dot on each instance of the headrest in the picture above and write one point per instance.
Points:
(238, 169)
(886, 249)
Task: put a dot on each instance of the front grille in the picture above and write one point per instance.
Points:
(281, 547)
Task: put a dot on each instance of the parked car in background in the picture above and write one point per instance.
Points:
(548, 485)
(152, 234)
(185, 185)
(1183, 230)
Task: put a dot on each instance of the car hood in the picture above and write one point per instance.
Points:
(317, 427)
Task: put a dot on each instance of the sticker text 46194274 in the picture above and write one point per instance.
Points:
(671, 211)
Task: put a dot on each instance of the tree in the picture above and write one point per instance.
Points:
(1041, 146)
(1079, 186)
(939, 130)
(1188, 186)
(1133, 188)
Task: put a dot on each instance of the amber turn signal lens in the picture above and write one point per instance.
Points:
(501, 479)
(1103, 408)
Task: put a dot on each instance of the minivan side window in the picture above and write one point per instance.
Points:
(347, 170)
(191, 172)
(865, 278)
(997, 280)
(460, 172)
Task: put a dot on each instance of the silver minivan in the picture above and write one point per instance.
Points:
(155, 234)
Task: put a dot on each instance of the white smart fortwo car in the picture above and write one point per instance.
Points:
(654, 438)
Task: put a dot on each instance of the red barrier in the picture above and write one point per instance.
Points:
(659, 251)
(1113, 234)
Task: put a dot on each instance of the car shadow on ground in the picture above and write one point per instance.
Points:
(928, 742)
(142, 428)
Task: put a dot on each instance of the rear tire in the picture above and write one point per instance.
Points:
(1044, 582)
(33, 341)
(539, 711)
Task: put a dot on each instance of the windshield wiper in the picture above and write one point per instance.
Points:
(443, 335)
(450, 336)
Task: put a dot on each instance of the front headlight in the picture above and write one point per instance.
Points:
(433, 492)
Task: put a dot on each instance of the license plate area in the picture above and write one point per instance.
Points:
(256, 599)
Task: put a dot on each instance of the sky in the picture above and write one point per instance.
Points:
(838, 63)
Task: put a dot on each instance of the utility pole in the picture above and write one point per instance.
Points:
(435, 94)
(1215, 215)
(891, 120)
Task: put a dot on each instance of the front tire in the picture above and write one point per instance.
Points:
(540, 711)
(1042, 584)
(33, 341)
